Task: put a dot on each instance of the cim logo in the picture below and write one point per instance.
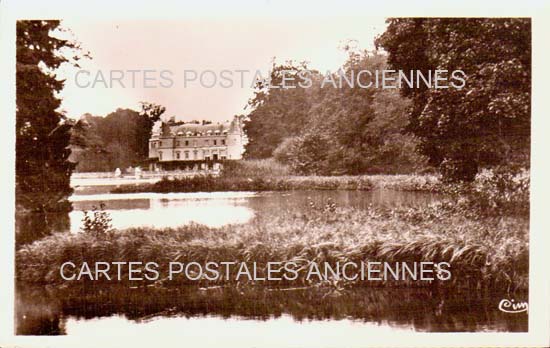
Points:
(510, 306)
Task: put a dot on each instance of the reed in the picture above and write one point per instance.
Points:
(254, 168)
(483, 253)
(206, 183)
(409, 182)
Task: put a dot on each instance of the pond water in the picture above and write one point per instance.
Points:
(361, 310)
(215, 209)
(151, 312)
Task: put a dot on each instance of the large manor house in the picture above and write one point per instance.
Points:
(191, 146)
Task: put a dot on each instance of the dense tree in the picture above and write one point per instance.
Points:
(149, 114)
(277, 113)
(331, 130)
(42, 135)
(488, 121)
(118, 140)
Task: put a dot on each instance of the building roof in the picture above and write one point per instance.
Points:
(166, 129)
(199, 128)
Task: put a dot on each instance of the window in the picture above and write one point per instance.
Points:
(187, 143)
(160, 143)
(152, 145)
(177, 155)
(160, 156)
(186, 154)
(207, 158)
(195, 154)
(223, 157)
(223, 141)
(215, 142)
(177, 143)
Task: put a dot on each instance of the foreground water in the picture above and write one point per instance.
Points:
(41, 311)
(367, 310)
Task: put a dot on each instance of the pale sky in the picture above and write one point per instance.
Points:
(200, 44)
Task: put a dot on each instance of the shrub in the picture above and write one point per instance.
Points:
(501, 191)
(98, 223)
(453, 171)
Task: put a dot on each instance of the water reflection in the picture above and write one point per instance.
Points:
(165, 212)
(216, 209)
(213, 209)
(219, 332)
(40, 311)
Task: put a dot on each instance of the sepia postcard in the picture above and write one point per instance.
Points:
(274, 174)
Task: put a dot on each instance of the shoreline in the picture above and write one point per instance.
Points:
(411, 183)
(322, 234)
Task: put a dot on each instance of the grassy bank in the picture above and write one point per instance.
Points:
(483, 252)
(269, 175)
(413, 183)
(224, 183)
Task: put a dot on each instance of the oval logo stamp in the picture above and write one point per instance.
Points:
(511, 306)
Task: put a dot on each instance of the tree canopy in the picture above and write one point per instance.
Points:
(118, 140)
(488, 121)
(42, 135)
(320, 129)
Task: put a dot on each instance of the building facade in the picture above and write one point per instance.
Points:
(192, 146)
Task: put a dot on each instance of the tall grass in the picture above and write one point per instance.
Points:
(256, 183)
(255, 168)
(410, 182)
(270, 175)
(483, 253)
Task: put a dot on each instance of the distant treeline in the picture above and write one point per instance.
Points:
(118, 140)
(458, 131)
